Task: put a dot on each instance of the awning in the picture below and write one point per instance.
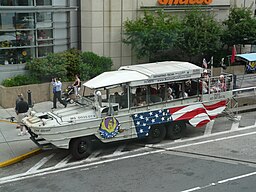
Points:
(248, 56)
(114, 78)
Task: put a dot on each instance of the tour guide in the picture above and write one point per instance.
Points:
(57, 93)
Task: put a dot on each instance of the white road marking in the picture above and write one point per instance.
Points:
(235, 124)
(119, 150)
(208, 128)
(93, 155)
(79, 165)
(63, 161)
(220, 182)
(40, 163)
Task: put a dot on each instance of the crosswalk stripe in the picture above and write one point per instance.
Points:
(63, 161)
(40, 163)
(119, 150)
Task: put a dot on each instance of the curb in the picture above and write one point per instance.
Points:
(19, 158)
(6, 121)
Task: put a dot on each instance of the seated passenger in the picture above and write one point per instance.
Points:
(220, 85)
(169, 94)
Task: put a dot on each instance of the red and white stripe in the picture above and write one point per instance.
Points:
(198, 114)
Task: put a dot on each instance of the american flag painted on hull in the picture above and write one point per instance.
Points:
(196, 114)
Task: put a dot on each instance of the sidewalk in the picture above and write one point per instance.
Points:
(14, 148)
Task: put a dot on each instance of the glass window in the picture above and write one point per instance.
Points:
(43, 2)
(16, 2)
(7, 39)
(16, 56)
(44, 20)
(6, 21)
(25, 38)
(43, 51)
(24, 2)
(24, 55)
(24, 20)
(139, 97)
(7, 3)
(44, 34)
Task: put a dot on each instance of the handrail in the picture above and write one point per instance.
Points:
(244, 92)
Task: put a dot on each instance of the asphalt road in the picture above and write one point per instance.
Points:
(218, 163)
(221, 157)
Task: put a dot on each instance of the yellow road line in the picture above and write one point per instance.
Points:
(6, 121)
(19, 158)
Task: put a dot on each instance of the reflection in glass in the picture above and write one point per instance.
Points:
(16, 2)
(43, 51)
(6, 21)
(24, 20)
(43, 2)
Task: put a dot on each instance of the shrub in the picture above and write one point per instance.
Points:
(20, 80)
(54, 65)
(64, 65)
(93, 65)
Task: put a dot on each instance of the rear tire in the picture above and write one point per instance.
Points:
(156, 134)
(80, 147)
(175, 130)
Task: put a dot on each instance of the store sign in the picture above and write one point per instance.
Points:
(185, 2)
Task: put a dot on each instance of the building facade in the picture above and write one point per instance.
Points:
(102, 21)
(35, 28)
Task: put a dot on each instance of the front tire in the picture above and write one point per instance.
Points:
(156, 134)
(175, 130)
(80, 147)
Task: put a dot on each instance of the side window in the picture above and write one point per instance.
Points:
(156, 93)
(139, 96)
(119, 96)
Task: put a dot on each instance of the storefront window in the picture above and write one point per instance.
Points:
(44, 20)
(16, 2)
(6, 21)
(24, 20)
(44, 34)
(16, 56)
(24, 38)
(43, 51)
(43, 2)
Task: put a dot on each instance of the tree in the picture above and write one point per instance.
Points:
(200, 35)
(153, 33)
(240, 27)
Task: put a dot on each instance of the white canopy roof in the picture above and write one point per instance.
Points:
(155, 72)
(114, 78)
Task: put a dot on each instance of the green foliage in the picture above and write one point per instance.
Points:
(67, 64)
(20, 80)
(54, 65)
(73, 62)
(240, 27)
(93, 65)
(200, 34)
(152, 34)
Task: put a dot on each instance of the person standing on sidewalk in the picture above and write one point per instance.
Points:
(17, 101)
(21, 110)
(56, 83)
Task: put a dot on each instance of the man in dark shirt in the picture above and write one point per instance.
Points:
(21, 110)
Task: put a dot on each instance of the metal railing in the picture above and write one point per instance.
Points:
(244, 92)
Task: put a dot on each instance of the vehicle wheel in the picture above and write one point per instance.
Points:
(175, 130)
(156, 134)
(71, 101)
(80, 147)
